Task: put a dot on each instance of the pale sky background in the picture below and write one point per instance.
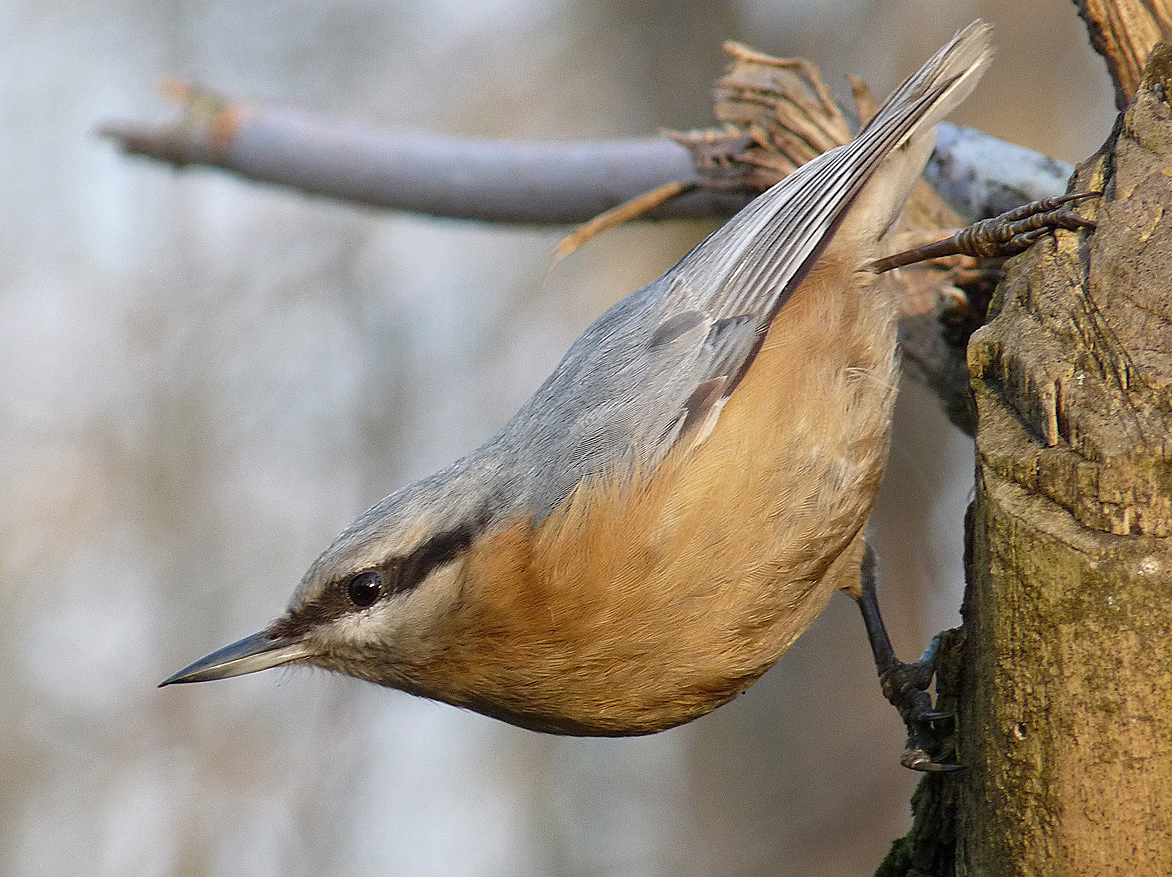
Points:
(207, 378)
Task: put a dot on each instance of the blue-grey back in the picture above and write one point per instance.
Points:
(667, 357)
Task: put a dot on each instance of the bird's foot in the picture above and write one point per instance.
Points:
(1000, 237)
(930, 745)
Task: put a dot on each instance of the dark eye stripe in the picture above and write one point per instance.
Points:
(398, 576)
(431, 554)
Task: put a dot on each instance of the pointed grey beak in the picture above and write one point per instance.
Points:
(257, 652)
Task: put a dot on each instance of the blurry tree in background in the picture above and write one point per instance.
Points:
(207, 379)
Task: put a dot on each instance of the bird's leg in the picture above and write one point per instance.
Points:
(1002, 236)
(905, 685)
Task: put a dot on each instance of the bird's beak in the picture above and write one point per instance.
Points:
(257, 652)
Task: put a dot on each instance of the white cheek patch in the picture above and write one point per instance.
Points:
(400, 623)
(362, 628)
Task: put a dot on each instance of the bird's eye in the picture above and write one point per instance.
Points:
(364, 588)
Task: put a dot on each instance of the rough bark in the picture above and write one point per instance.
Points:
(1063, 675)
(1123, 32)
(1066, 696)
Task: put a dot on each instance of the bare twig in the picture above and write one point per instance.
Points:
(497, 181)
(523, 182)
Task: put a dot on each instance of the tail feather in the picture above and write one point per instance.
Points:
(753, 262)
(953, 72)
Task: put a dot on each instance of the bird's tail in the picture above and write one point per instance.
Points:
(754, 261)
(945, 79)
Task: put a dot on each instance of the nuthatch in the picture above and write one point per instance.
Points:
(678, 500)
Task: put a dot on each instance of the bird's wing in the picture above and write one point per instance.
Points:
(658, 367)
(734, 282)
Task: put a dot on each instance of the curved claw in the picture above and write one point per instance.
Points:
(1013, 232)
(937, 716)
(918, 759)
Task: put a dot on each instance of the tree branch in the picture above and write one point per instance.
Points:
(497, 181)
(526, 182)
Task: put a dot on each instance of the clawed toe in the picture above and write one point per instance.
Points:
(918, 759)
(939, 716)
(1017, 230)
(1000, 237)
(930, 745)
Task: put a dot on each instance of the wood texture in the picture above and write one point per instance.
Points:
(1123, 32)
(1066, 689)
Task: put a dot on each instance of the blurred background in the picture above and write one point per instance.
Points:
(204, 379)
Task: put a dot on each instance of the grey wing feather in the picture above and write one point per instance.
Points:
(666, 358)
(745, 271)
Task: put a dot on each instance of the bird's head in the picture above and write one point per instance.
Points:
(369, 605)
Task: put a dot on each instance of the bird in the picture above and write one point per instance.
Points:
(681, 497)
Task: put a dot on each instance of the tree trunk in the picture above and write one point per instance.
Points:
(1063, 675)
(1066, 697)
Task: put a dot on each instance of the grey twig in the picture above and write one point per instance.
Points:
(521, 182)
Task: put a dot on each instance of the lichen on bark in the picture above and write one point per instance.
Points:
(1065, 719)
